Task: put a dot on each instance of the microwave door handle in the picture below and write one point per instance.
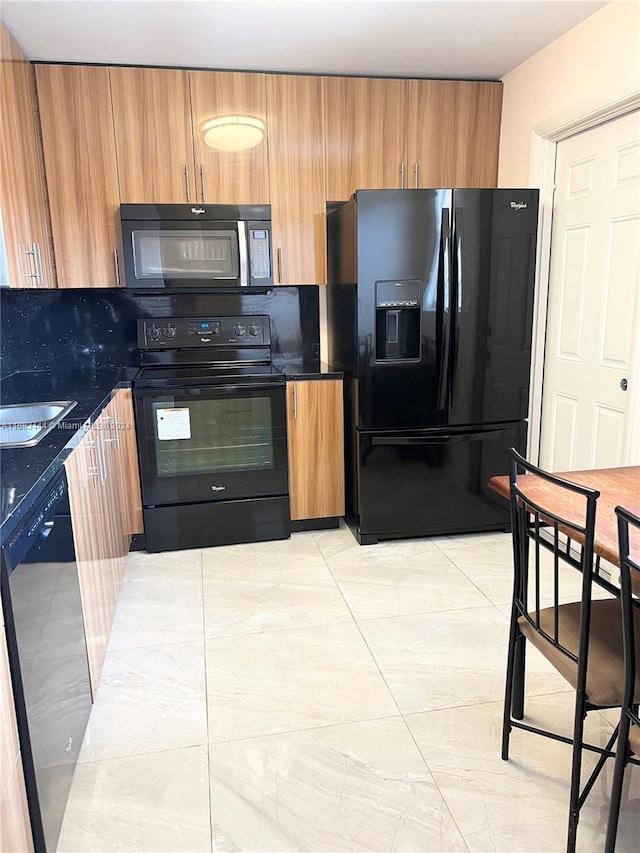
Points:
(242, 247)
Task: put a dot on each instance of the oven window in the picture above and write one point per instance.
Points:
(203, 436)
(185, 254)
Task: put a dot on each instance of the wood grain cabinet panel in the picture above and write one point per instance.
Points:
(15, 829)
(227, 176)
(154, 144)
(296, 176)
(25, 213)
(454, 133)
(101, 542)
(315, 436)
(82, 176)
(366, 134)
(128, 472)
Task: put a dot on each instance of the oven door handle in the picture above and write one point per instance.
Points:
(203, 390)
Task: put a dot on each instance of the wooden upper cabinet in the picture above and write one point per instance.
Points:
(296, 175)
(25, 214)
(154, 146)
(454, 133)
(366, 134)
(229, 176)
(82, 176)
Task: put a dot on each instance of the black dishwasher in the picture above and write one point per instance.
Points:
(47, 656)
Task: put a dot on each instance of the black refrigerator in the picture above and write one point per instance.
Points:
(430, 314)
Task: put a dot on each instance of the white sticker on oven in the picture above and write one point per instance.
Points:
(173, 424)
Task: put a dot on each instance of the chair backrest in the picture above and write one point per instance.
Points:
(553, 523)
(629, 587)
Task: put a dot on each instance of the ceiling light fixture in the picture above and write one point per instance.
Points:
(233, 133)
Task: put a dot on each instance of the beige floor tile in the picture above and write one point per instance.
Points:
(280, 681)
(377, 584)
(361, 786)
(270, 598)
(167, 566)
(447, 659)
(300, 550)
(149, 699)
(154, 611)
(520, 804)
(149, 803)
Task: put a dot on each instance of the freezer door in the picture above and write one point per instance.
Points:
(427, 484)
(493, 268)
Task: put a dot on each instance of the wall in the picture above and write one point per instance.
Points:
(586, 69)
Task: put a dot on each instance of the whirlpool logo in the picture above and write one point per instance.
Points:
(198, 210)
(218, 488)
(517, 205)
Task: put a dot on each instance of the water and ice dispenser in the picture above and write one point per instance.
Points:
(398, 313)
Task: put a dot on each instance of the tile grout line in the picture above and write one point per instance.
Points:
(206, 699)
(402, 716)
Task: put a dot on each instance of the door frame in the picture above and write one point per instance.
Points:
(545, 136)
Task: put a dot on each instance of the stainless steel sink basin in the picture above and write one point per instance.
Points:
(26, 424)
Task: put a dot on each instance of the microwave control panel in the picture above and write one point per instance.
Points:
(203, 332)
(259, 254)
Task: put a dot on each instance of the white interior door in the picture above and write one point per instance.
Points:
(593, 320)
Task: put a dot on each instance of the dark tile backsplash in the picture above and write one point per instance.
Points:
(96, 328)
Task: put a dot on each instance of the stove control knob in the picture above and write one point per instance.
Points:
(153, 333)
(254, 330)
(239, 330)
(170, 331)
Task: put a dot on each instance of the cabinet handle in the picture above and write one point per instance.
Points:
(415, 174)
(279, 255)
(203, 189)
(402, 170)
(113, 428)
(186, 181)
(24, 269)
(99, 470)
(295, 403)
(116, 267)
(38, 261)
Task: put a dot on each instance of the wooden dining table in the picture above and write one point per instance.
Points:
(617, 487)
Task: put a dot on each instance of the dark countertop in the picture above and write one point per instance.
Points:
(305, 371)
(26, 471)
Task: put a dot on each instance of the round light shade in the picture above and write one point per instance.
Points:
(233, 133)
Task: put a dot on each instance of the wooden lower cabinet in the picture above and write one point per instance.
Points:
(15, 828)
(104, 496)
(315, 436)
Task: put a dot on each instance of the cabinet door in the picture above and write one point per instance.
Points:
(365, 134)
(315, 435)
(296, 176)
(154, 146)
(454, 133)
(25, 215)
(229, 176)
(128, 471)
(82, 177)
(98, 536)
(15, 830)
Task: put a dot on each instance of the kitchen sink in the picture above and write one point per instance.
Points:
(26, 424)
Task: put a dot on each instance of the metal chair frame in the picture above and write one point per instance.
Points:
(629, 710)
(534, 523)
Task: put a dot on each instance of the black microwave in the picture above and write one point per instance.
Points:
(196, 246)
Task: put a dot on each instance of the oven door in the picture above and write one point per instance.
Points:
(211, 443)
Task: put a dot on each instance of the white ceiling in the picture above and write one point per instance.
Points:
(472, 39)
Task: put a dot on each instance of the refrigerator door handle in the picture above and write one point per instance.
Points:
(444, 280)
(456, 289)
(421, 440)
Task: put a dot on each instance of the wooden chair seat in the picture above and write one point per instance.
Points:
(605, 664)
